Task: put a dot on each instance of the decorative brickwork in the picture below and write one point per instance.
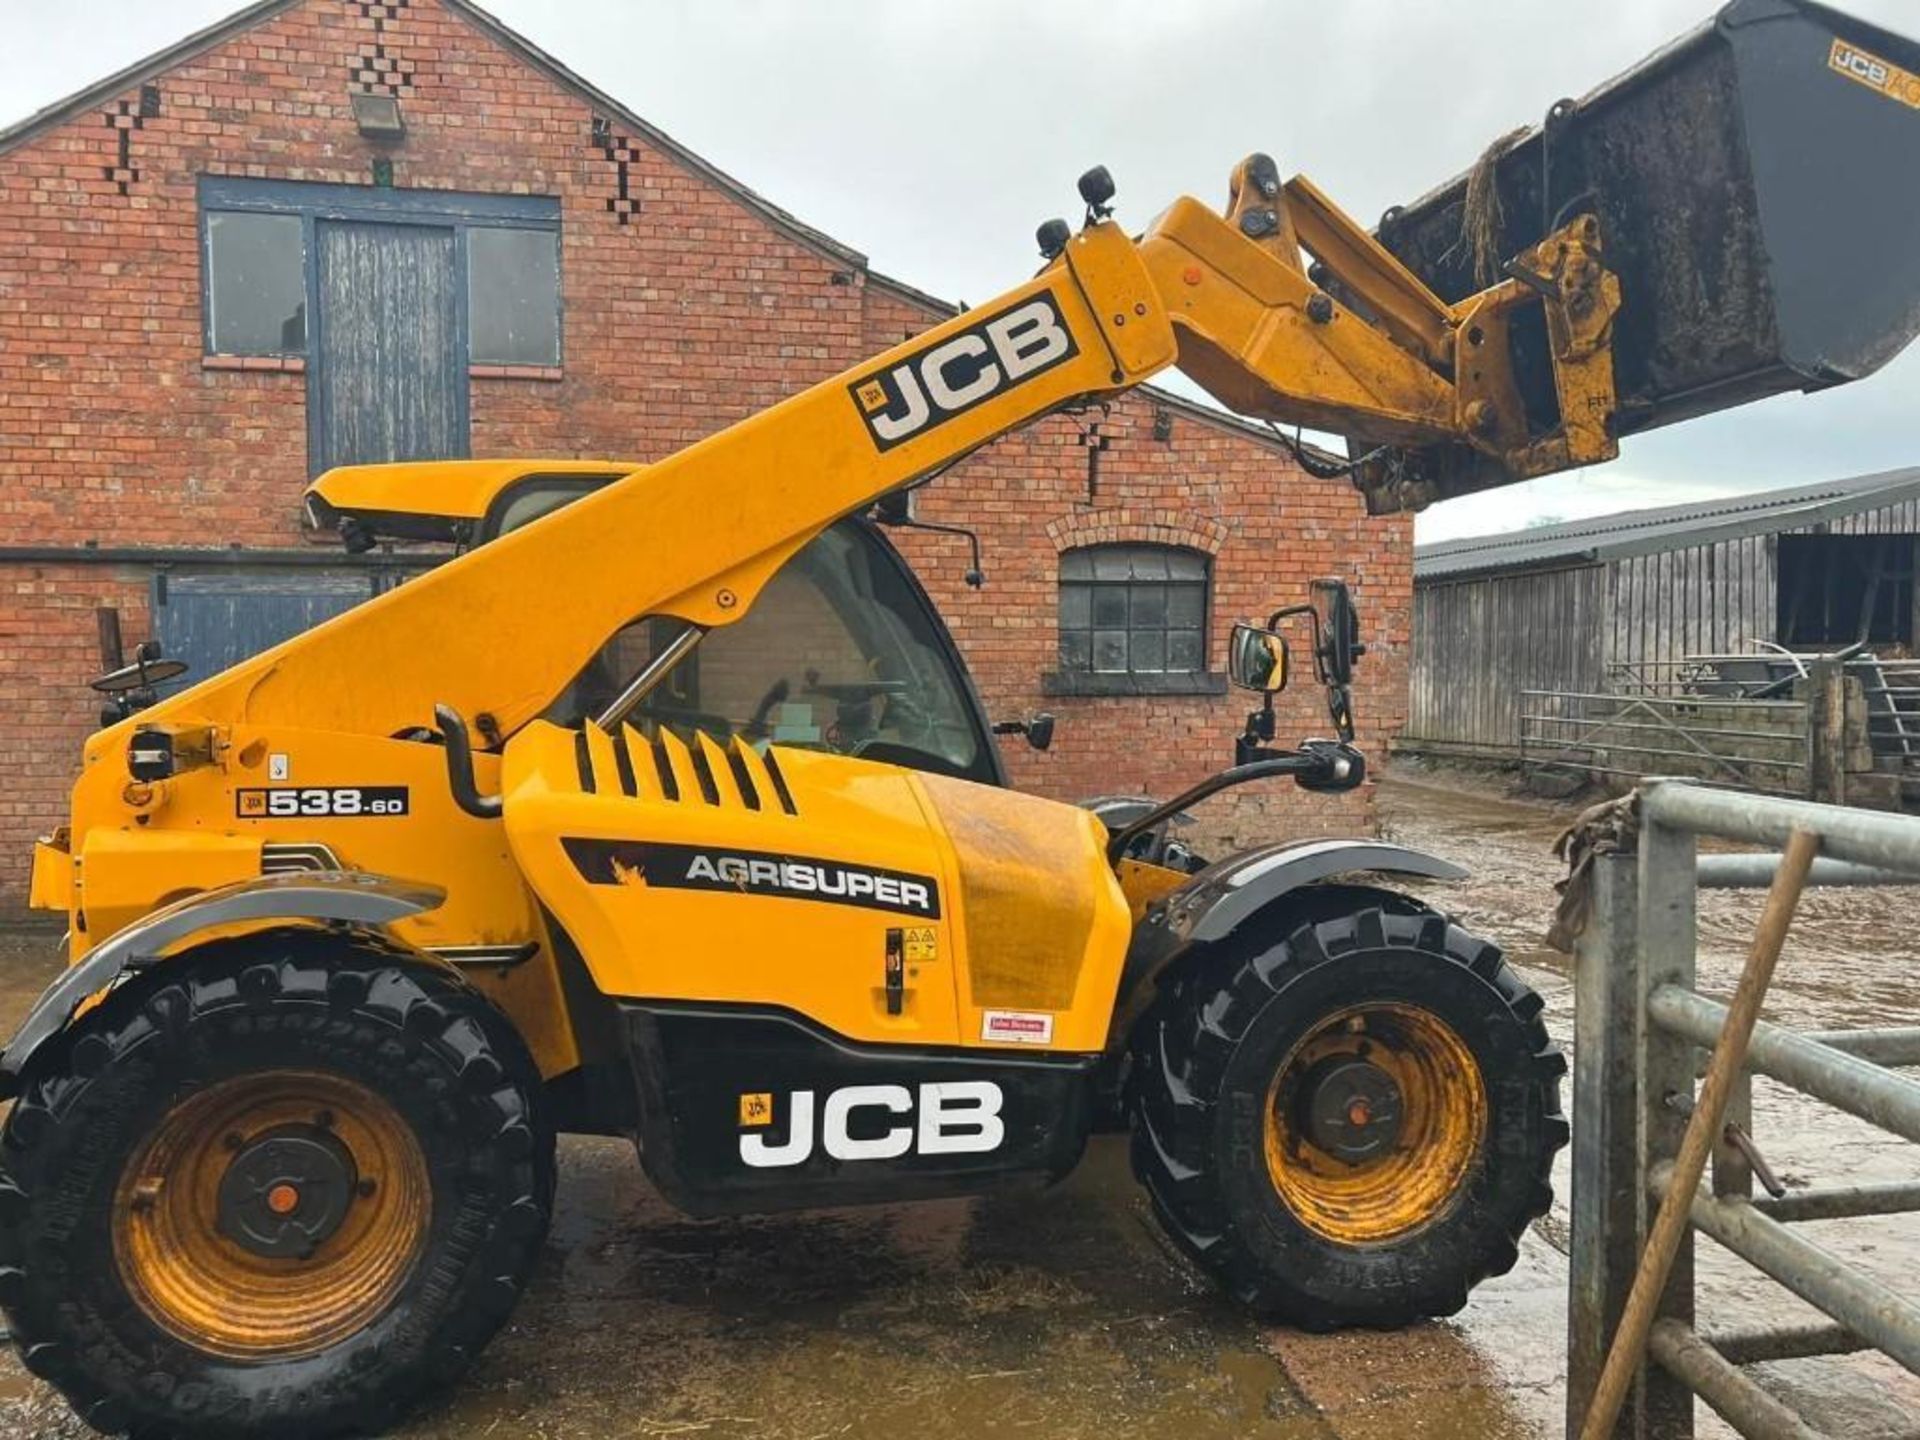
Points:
(378, 69)
(379, 73)
(124, 117)
(622, 154)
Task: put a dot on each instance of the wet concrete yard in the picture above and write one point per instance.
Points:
(1062, 1313)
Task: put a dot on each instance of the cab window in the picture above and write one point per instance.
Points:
(840, 653)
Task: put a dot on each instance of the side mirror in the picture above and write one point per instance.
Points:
(1339, 631)
(1038, 730)
(1257, 659)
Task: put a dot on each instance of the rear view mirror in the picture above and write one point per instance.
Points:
(1257, 659)
(1338, 624)
(1038, 730)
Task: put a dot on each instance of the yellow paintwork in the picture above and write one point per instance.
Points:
(196, 1283)
(51, 885)
(445, 489)
(1442, 1127)
(1143, 884)
(1033, 913)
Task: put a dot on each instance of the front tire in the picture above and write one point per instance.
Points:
(283, 1186)
(1352, 1126)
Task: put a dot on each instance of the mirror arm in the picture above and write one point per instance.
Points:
(1212, 785)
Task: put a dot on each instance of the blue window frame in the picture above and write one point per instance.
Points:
(260, 287)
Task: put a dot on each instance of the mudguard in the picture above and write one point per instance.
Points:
(1230, 892)
(347, 897)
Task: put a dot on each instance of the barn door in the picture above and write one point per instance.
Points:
(390, 382)
(218, 618)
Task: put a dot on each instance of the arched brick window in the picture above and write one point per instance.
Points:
(1134, 612)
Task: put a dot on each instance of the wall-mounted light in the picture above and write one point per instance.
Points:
(377, 116)
(1162, 423)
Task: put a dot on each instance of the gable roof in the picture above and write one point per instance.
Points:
(1668, 527)
(220, 31)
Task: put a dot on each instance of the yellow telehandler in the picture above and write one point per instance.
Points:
(666, 809)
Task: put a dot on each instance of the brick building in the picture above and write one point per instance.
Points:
(335, 230)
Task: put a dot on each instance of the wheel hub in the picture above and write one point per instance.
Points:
(1353, 1109)
(286, 1192)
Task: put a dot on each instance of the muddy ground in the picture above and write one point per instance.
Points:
(1064, 1314)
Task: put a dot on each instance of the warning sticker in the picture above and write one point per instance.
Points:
(756, 1110)
(922, 945)
(1016, 1027)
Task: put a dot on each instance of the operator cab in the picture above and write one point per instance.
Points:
(843, 651)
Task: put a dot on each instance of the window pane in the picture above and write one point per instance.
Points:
(256, 285)
(1076, 650)
(513, 287)
(1186, 604)
(1183, 651)
(1076, 565)
(1110, 651)
(1149, 650)
(1149, 605)
(1185, 565)
(1110, 605)
(839, 654)
(1149, 564)
(1112, 563)
(1076, 607)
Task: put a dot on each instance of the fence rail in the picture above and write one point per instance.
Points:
(1643, 1135)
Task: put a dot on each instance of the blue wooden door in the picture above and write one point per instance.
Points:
(388, 380)
(215, 619)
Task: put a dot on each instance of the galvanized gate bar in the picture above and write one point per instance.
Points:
(1755, 872)
(1859, 1302)
(1875, 1094)
(1787, 1342)
(1897, 1045)
(1843, 1202)
(1866, 837)
(1746, 1407)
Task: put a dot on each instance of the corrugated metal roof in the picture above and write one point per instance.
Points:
(1668, 527)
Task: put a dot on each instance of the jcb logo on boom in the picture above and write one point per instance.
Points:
(964, 370)
(954, 1117)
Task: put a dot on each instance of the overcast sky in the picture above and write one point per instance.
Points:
(934, 136)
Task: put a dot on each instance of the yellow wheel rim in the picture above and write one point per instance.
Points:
(215, 1177)
(1374, 1122)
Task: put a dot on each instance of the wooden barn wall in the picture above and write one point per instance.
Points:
(1705, 599)
(1689, 601)
(1478, 643)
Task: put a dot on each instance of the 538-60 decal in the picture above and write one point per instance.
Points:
(334, 802)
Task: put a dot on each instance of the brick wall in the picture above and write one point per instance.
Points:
(700, 309)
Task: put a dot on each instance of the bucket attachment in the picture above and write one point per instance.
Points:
(1757, 187)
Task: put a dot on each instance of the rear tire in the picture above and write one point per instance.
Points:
(1222, 1082)
(159, 1266)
